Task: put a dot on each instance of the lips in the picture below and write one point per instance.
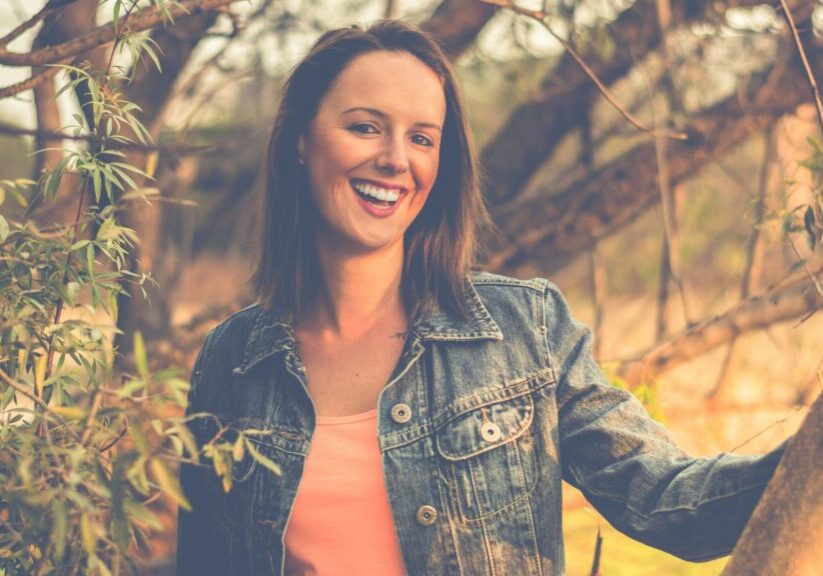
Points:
(376, 197)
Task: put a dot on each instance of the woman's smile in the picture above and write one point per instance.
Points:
(379, 199)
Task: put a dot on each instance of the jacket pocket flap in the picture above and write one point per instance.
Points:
(485, 428)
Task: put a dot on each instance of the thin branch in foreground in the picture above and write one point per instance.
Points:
(33, 81)
(37, 400)
(540, 16)
(109, 142)
(809, 74)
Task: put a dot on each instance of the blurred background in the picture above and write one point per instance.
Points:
(691, 245)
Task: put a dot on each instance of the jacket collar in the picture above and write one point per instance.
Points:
(273, 333)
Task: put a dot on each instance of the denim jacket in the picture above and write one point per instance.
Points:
(477, 426)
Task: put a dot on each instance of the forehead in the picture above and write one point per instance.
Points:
(394, 82)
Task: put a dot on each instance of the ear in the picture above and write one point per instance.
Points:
(301, 149)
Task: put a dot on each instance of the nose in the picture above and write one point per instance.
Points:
(392, 159)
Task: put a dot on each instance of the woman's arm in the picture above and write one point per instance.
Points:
(199, 543)
(628, 466)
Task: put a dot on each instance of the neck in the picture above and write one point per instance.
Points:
(359, 292)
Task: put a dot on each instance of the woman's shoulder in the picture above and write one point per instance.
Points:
(496, 289)
(226, 341)
(237, 324)
(488, 282)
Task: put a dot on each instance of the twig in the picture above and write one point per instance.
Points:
(598, 549)
(109, 142)
(809, 74)
(754, 257)
(540, 16)
(109, 445)
(33, 81)
(96, 402)
(808, 271)
(763, 431)
(37, 400)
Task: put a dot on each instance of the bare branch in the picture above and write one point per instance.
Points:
(143, 20)
(754, 261)
(784, 303)
(34, 81)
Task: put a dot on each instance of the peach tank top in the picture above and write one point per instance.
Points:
(342, 523)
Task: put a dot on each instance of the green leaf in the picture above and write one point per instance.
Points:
(140, 358)
(60, 527)
(116, 16)
(261, 459)
(168, 483)
(4, 229)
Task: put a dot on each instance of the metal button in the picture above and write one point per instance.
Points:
(490, 431)
(401, 413)
(426, 515)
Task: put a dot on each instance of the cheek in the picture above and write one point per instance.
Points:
(427, 174)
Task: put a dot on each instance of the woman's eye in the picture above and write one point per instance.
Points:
(422, 140)
(363, 128)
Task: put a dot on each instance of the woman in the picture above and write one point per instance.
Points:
(422, 416)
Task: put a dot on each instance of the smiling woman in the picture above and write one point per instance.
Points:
(422, 415)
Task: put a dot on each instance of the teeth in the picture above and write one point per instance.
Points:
(376, 192)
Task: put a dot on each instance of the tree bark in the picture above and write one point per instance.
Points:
(784, 536)
(455, 24)
(59, 26)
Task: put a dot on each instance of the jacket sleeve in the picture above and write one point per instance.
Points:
(200, 545)
(628, 466)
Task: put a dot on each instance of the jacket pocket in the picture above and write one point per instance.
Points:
(487, 456)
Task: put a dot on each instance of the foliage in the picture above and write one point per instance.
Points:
(807, 219)
(87, 453)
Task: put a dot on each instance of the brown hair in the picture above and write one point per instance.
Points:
(439, 244)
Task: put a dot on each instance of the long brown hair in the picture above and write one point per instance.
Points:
(439, 244)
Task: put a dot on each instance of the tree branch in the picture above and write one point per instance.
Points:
(33, 81)
(549, 231)
(781, 304)
(143, 20)
(534, 129)
(455, 24)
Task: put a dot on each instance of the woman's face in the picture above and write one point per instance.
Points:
(372, 150)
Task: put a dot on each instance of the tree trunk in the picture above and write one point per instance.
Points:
(784, 536)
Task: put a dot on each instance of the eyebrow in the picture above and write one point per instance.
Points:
(381, 114)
